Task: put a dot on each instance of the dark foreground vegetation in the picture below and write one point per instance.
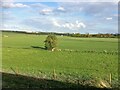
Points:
(15, 81)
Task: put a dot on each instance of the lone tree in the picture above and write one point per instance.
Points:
(51, 42)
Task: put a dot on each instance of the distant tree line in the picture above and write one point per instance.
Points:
(87, 35)
(99, 35)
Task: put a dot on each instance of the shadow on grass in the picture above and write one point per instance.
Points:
(38, 47)
(21, 81)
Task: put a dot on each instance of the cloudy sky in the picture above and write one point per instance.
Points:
(68, 17)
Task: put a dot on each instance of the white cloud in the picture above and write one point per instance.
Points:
(91, 8)
(39, 5)
(19, 5)
(61, 8)
(6, 0)
(14, 5)
(109, 18)
(72, 26)
(46, 11)
(81, 25)
(9, 27)
(55, 23)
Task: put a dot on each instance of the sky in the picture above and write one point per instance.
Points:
(61, 17)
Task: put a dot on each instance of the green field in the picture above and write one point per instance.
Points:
(79, 58)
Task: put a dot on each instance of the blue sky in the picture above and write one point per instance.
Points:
(66, 17)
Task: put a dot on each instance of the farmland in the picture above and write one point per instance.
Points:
(79, 58)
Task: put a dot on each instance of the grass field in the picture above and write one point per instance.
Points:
(79, 58)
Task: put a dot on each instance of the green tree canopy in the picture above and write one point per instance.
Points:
(51, 42)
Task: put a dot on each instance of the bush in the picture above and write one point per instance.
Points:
(51, 42)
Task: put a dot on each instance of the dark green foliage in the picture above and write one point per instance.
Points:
(50, 42)
(75, 35)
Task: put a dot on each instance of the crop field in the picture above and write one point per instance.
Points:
(79, 59)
